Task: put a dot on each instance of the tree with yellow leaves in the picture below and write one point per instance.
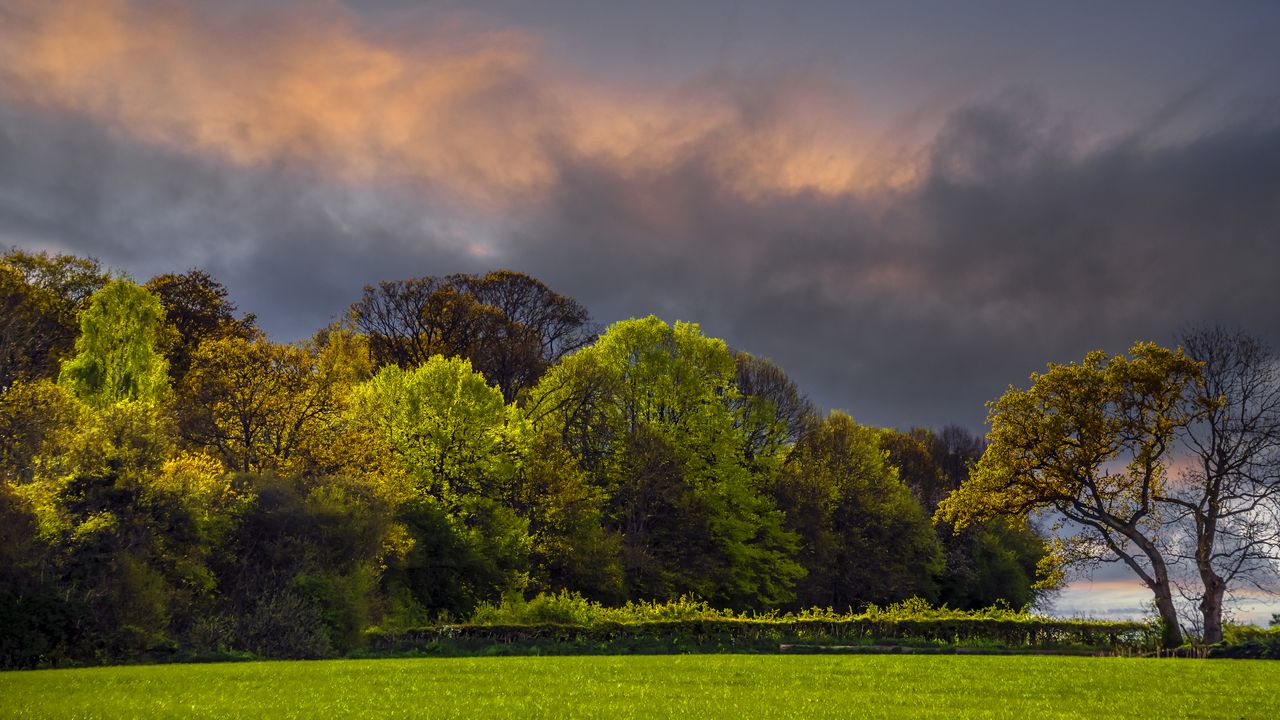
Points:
(1090, 444)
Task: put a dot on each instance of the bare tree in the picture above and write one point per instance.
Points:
(1229, 495)
(771, 409)
(510, 325)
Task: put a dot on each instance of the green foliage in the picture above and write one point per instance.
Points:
(1088, 442)
(649, 412)
(130, 560)
(772, 413)
(985, 563)
(458, 444)
(72, 280)
(299, 565)
(116, 357)
(570, 608)
(34, 417)
(570, 618)
(1249, 641)
(996, 561)
(40, 298)
(449, 429)
(29, 331)
(569, 545)
(864, 538)
(196, 309)
(263, 406)
(133, 439)
(37, 620)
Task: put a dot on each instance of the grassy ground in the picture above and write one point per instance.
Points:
(692, 686)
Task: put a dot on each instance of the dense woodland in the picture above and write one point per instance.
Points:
(172, 480)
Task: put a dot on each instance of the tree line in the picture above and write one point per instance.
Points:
(172, 480)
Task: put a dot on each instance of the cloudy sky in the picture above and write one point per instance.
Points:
(907, 205)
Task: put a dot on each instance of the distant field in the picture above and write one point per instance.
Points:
(692, 686)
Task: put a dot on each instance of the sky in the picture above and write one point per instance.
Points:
(908, 205)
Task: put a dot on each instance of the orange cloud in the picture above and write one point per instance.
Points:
(474, 114)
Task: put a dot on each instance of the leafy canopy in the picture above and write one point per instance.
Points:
(116, 358)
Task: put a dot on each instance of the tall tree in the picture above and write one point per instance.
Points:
(41, 296)
(32, 417)
(450, 428)
(71, 279)
(116, 357)
(1089, 442)
(263, 406)
(541, 326)
(772, 412)
(570, 546)
(510, 325)
(408, 321)
(648, 411)
(459, 446)
(1229, 494)
(196, 309)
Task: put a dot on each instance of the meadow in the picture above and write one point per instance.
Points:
(695, 686)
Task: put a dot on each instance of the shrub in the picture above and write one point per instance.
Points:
(1248, 641)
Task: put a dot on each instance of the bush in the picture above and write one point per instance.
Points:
(1248, 641)
(283, 625)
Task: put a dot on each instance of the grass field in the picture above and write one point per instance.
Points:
(692, 686)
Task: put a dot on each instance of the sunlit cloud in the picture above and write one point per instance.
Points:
(474, 114)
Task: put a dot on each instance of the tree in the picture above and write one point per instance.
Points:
(71, 279)
(863, 537)
(36, 617)
(541, 326)
(459, 445)
(29, 330)
(985, 563)
(196, 309)
(41, 297)
(263, 406)
(510, 325)
(1228, 496)
(300, 565)
(648, 412)
(569, 546)
(116, 357)
(449, 428)
(408, 321)
(128, 557)
(772, 412)
(33, 417)
(1090, 443)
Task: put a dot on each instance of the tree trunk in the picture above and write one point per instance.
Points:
(1171, 630)
(1161, 587)
(1211, 607)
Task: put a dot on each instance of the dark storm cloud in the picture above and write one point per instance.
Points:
(1010, 239)
(291, 249)
(1016, 248)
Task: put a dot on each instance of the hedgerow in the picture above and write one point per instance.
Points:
(569, 618)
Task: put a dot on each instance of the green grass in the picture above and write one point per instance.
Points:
(691, 686)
